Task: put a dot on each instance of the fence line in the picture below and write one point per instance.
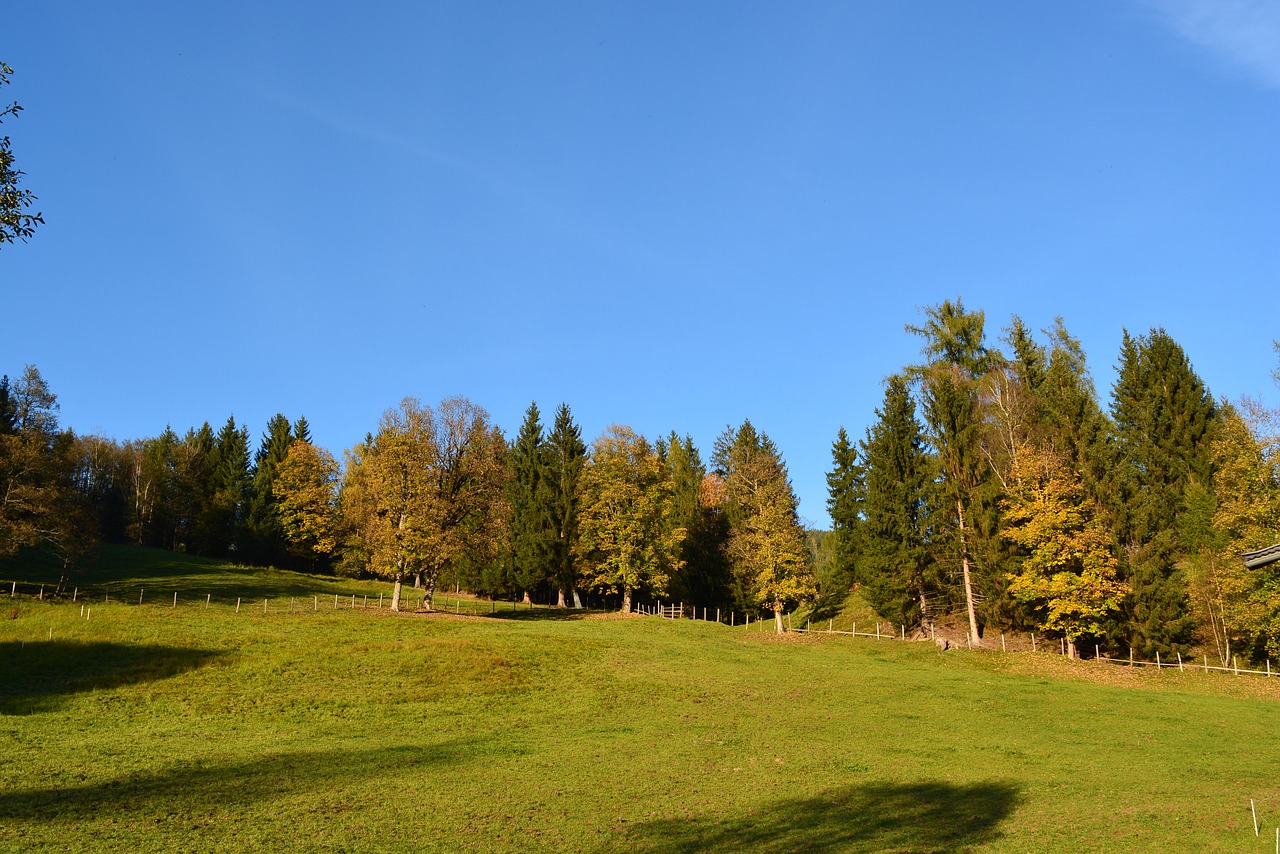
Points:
(478, 607)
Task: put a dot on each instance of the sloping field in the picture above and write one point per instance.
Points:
(152, 727)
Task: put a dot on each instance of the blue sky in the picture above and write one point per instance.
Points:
(668, 215)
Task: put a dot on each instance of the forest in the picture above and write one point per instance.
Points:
(992, 490)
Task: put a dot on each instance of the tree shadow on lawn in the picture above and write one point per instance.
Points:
(37, 677)
(201, 788)
(541, 613)
(918, 817)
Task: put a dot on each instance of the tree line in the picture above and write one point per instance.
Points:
(993, 486)
(435, 495)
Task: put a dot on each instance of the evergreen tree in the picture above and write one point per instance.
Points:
(704, 577)
(567, 457)
(895, 567)
(266, 535)
(228, 487)
(533, 530)
(8, 415)
(846, 490)
(1164, 416)
(957, 361)
(302, 429)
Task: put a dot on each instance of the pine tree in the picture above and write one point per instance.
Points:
(846, 490)
(895, 568)
(567, 456)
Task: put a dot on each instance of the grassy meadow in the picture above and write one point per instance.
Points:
(158, 728)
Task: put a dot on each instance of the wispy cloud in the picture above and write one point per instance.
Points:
(1244, 33)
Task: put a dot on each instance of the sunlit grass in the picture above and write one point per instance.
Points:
(157, 727)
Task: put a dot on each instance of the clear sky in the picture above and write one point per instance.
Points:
(669, 215)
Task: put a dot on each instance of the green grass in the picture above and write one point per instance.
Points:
(156, 728)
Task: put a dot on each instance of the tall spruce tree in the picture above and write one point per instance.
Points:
(567, 457)
(1164, 416)
(956, 362)
(263, 518)
(846, 493)
(532, 533)
(895, 567)
(229, 486)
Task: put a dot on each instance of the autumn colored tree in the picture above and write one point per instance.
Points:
(1245, 603)
(28, 485)
(767, 548)
(626, 541)
(396, 516)
(1069, 571)
(39, 501)
(305, 491)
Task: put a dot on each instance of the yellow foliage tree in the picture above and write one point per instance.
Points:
(625, 537)
(1246, 458)
(1069, 571)
(305, 490)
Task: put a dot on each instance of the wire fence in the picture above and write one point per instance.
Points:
(413, 600)
(120, 594)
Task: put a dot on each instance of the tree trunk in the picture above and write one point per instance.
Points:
(395, 594)
(777, 619)
(626, 600)
(417, 581)
(1071, 650)
(968, 583)
(924, 612)
(528, 601)
(430, 598)
(560, 602)
(577, 600)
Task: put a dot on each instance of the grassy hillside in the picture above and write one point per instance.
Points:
(198, 728)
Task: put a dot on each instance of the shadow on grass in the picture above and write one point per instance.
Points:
(871, 817)
(540, 613)
(215, 788)
(827, 607)
(37, 677)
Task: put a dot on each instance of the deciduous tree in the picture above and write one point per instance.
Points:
(1069, 571)
(626, 540)
(15, 222)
